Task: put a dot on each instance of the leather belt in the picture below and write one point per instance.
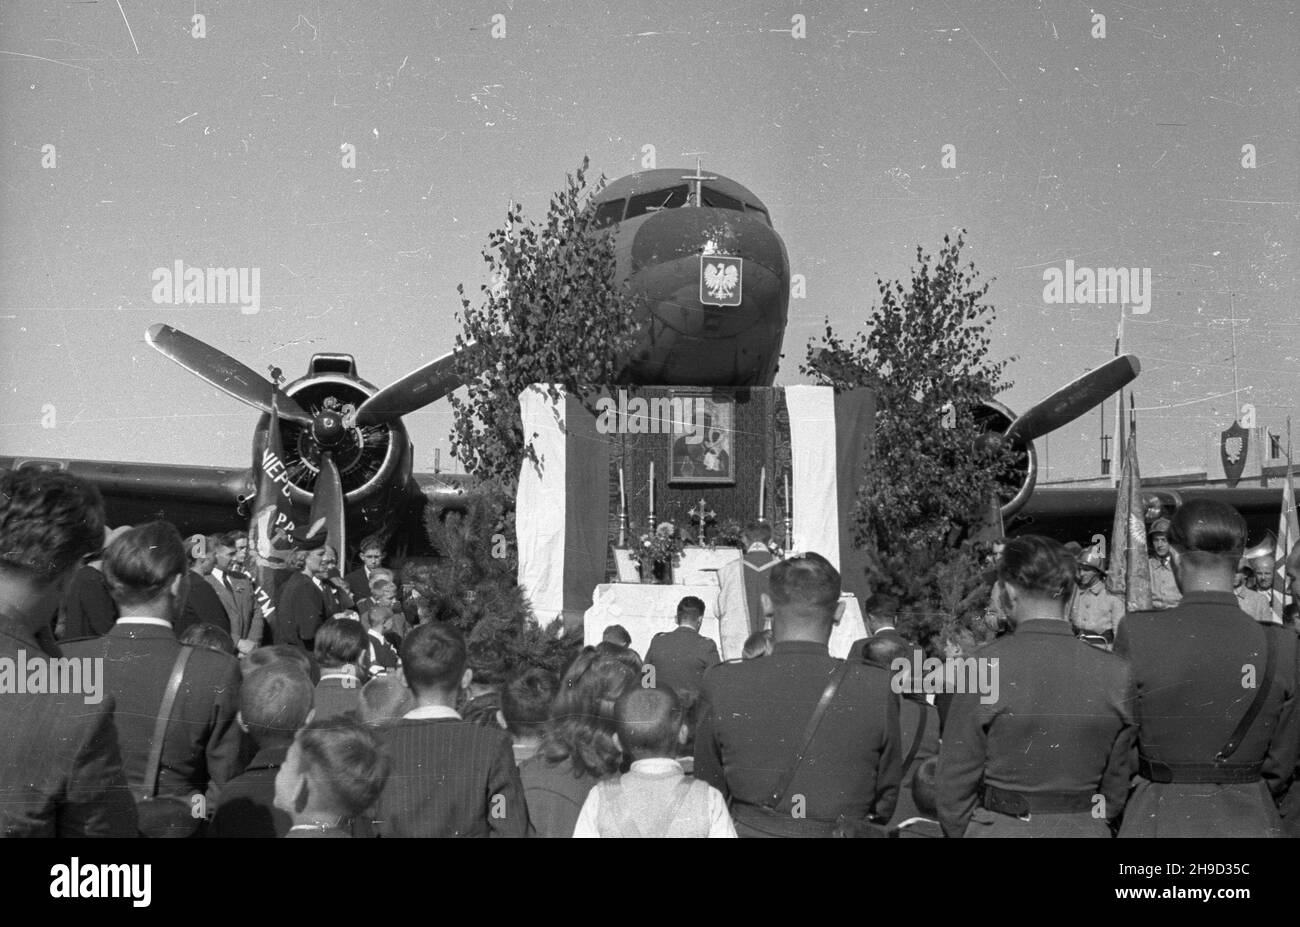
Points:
(1219, 773)
(1018, 804)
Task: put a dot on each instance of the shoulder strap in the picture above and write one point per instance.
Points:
(665, 821)
(154, 765)
(783, 785)
(916, 740)
(1256, 705)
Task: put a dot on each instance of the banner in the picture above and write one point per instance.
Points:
(270, 529)
(1130, 572)
(1288, 533)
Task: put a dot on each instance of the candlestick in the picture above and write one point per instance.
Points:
(762, 490)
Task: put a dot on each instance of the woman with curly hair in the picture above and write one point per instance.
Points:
(578, 746)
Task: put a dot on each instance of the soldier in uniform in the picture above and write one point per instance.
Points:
(1212, 758)
(752, 742)
(1164, 588)
(1047, 753)
(1251, 602)
(1095, 611)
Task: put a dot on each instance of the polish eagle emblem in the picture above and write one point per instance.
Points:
(721, 280)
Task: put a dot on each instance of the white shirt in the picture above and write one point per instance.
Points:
(431, 712)
(719, 818)
(144, 619)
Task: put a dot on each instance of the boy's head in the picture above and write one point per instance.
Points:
(275, 701)
(649, 722)
(265, 656)
(384, 699)
(617, 634)
(340, 642)
(335, 767)
(434, 661)
(526, 702)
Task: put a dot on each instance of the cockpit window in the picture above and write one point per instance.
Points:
(758, 213)
(721, 200)
(668, 198)
(609, 212)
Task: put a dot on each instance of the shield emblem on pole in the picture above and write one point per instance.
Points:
(721, 279)
(1233, 445)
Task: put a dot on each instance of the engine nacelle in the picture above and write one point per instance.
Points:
(1019, 486)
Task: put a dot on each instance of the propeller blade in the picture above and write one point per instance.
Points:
(327, 503)
(223, 372)
(414, 391)
(1074, 399)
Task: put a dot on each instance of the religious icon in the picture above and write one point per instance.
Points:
(702, 449)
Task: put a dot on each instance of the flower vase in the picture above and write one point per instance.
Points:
(662, 574)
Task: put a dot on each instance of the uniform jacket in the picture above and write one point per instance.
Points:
(1164, 588)
(752, 716)
(201, 749)
(1060, 722)
(910, 709)
(1189, 689)
(450, 778)
(680, 658)
(60, 763)
(1096, 609)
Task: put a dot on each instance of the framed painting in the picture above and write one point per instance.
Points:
(702, 448)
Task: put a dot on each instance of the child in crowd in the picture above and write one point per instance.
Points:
(525, 706)
(654, 798)
(334, 771)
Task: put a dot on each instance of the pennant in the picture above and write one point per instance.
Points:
(271, 531)
(1130, 572)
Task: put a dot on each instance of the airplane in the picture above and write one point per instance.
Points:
(677, 237)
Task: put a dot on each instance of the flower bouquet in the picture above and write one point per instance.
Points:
(658, 552)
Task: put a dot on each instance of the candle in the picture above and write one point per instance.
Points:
(622, 493)
(652, 488)
(788, 513)
(762, 490)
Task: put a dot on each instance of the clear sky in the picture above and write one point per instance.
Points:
(226, 151)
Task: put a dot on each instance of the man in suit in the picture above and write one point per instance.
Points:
(372, 558)
(1196, 670)
(198, 601)
(681, 656)
(449, 778)
(200, 752)
(753, 714)
(303, 605)
(274, 702)
(235, 590)
(881, 613)
(60, 763)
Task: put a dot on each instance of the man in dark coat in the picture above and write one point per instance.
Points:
(752, 717)
(880, 613)
(88, 609)
(1196, 670)
(681, 656)
(201, 749)
(60, 764)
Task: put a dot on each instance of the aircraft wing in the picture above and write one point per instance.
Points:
(195, 499)
(1077, 512)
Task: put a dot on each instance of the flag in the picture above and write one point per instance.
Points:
(1288, 533)
(1129, 573)
(271, 528)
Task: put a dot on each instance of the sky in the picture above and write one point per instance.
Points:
(1122, 149)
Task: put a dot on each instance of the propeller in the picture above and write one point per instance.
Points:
(223, 372)
(327, 504)
(1074, 399)
(419, 388)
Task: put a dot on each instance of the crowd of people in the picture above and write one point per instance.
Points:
(351, 710)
